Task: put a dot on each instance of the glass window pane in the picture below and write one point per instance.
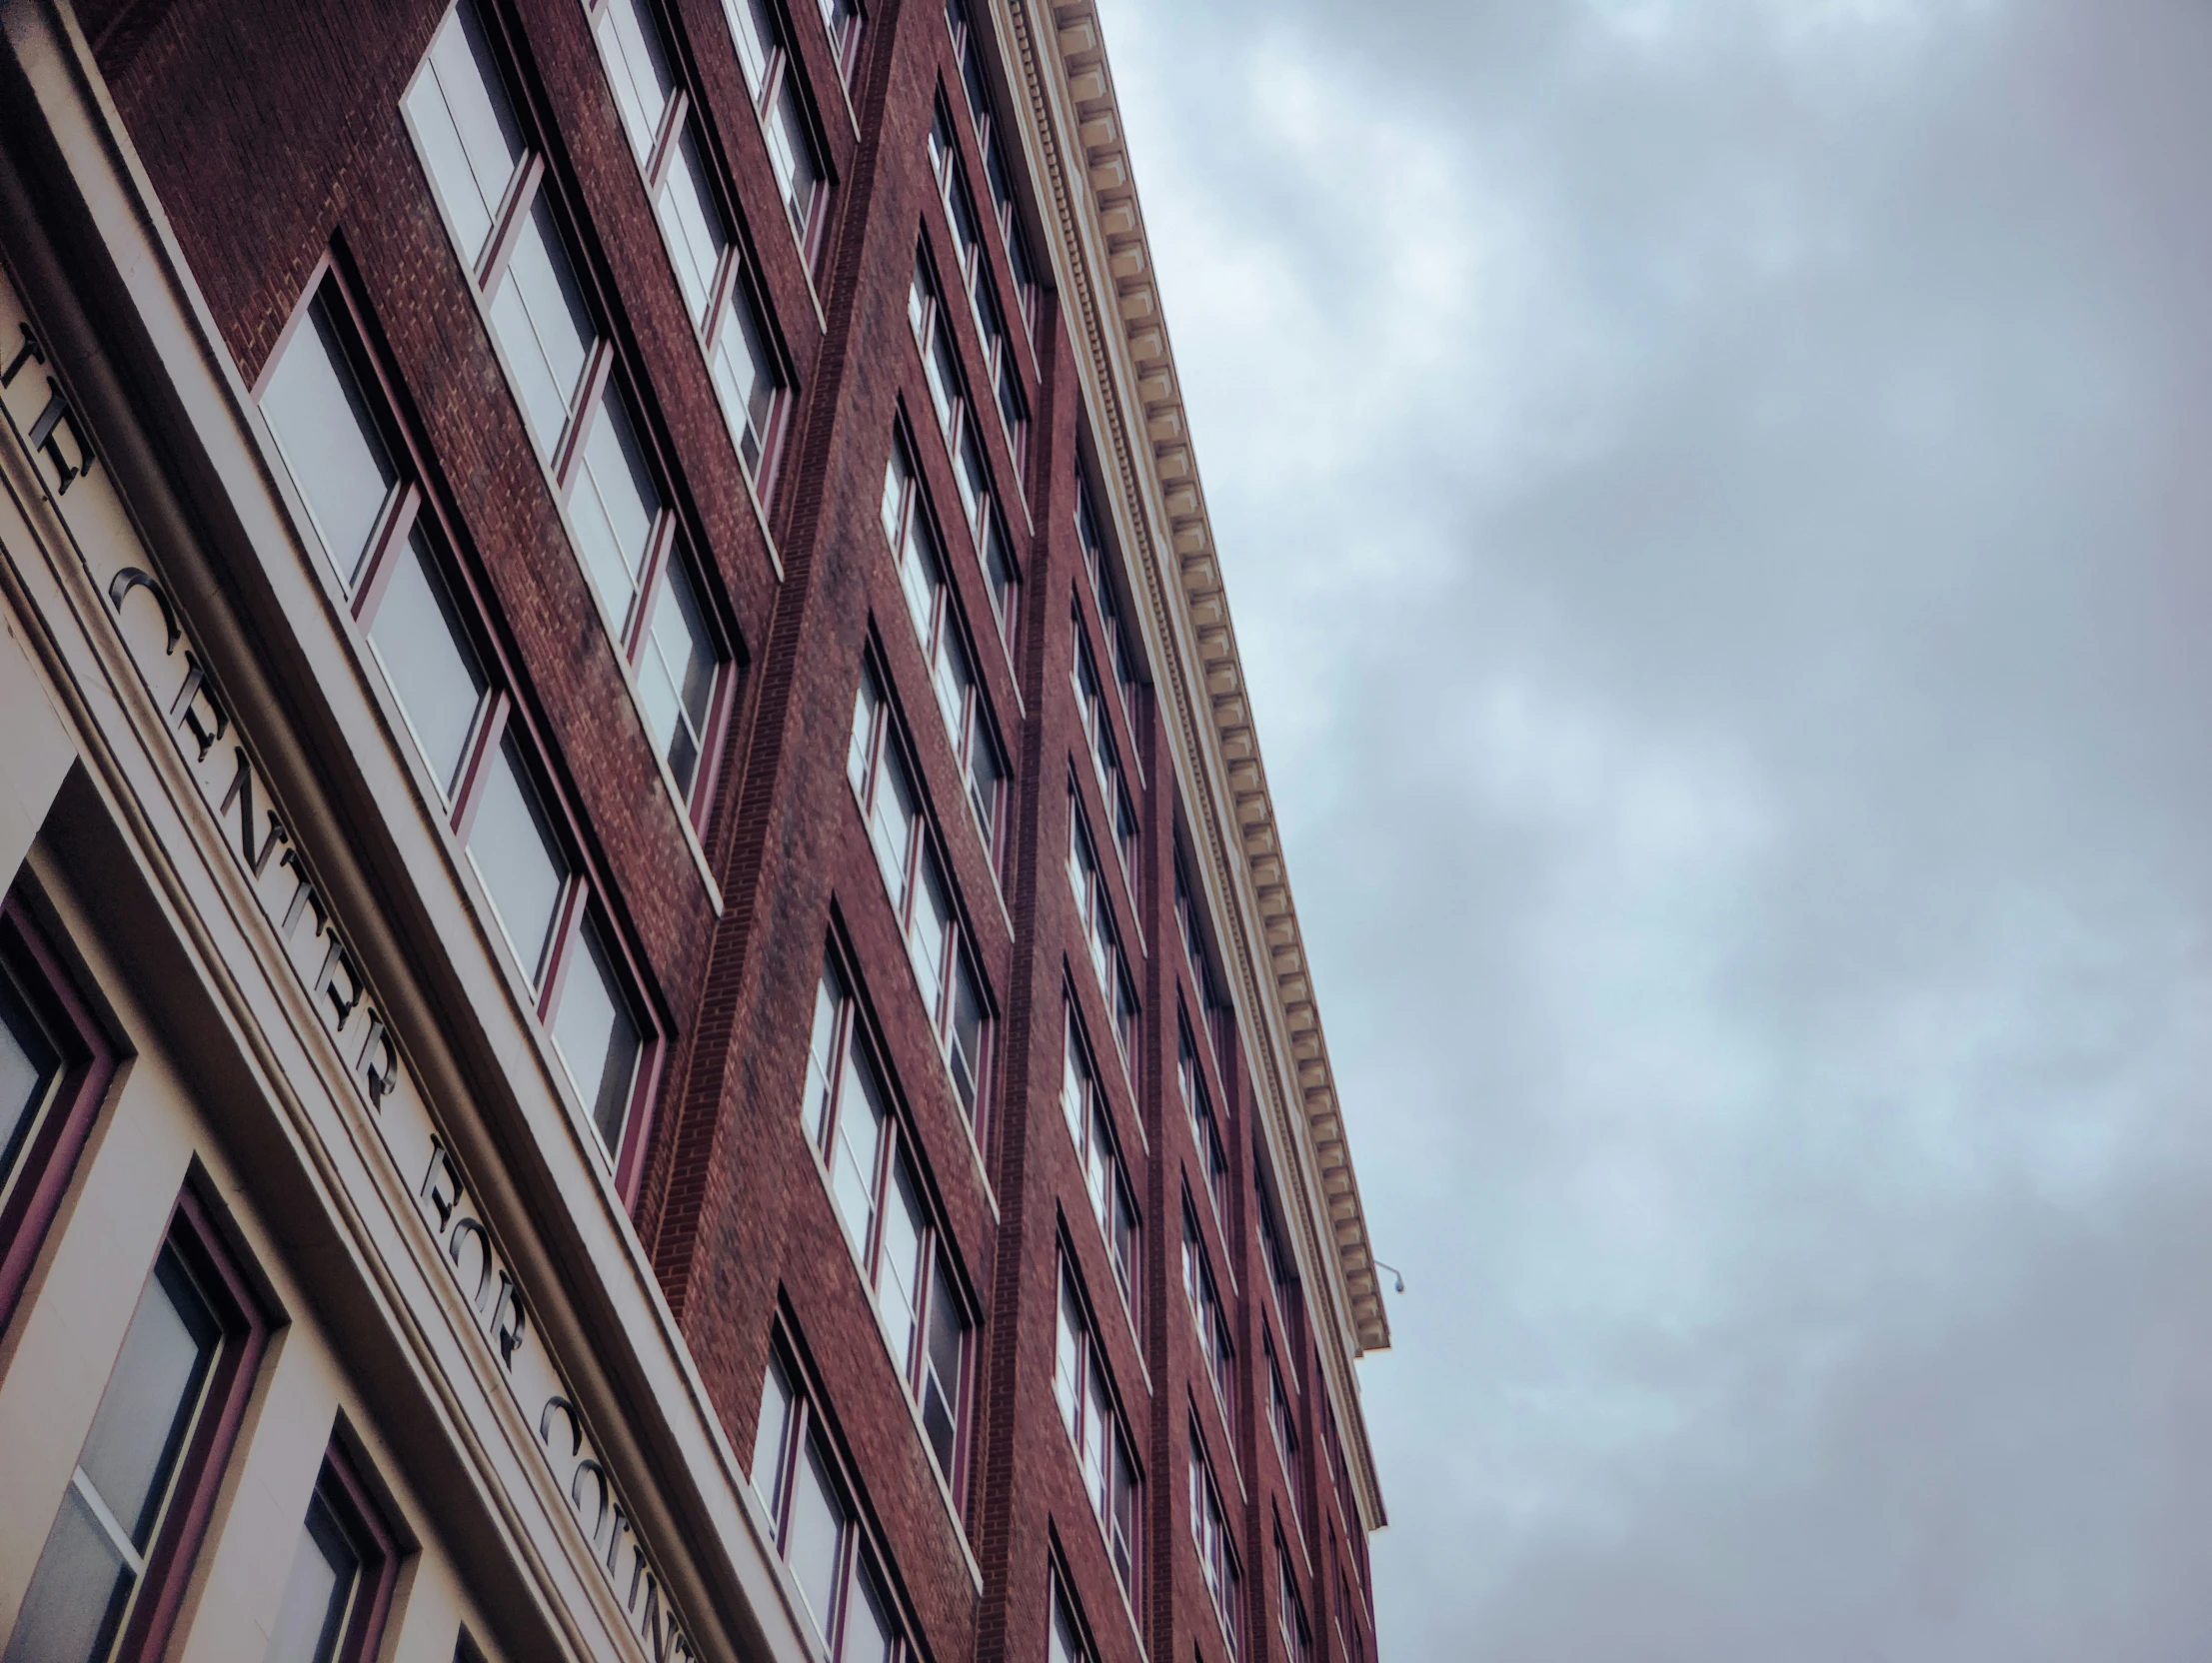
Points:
(897, 475)
(820, 1055)
(318, 1591)
(892, 826)
(941, 1383)
(983, 779)
(148, 1405)
(753, 30)
(675, 675)
(744, 376)
(770, 1436)
(542, 324)
(930, 944)
(862, 1113)
(1068, 1362)
(791, 147)
(470, 140)
(921, 574)
(76, 1596)
(597, 1038)
(331, 447)
(28, 1064)
(816, 1538)
(693, 224)
(867, 1630)
(898, 1279)
(974, 477)
(951, 677)
(965, 1045)
(944, 375)
(417, 640)
(613, 508)
(638, 70)
(999, 573)
(516, 855)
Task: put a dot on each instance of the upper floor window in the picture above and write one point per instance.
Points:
(344, 1564)
(562, 370)
(1282, 1425)
(995, 142)
(964, 442)
(1066, 1643)
(121, 1550)
(842, 18)
(1207, 1314)
(1106, 1179)
(1298, 1638)
(1350, 1639)
(365, 502)
(773, 76)
(55, 1064)
(875, 1183)
(1095, 912)
(1094, 1426)
(797, 1476)
(1205, 1129)
(688, 196)
(1105, 755)
(1282, 1274)
(1120, 641)
(939, 626)
(1210, 1530)
(1001, 367)
(882, 776)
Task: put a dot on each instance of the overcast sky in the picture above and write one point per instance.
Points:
(1715, 499)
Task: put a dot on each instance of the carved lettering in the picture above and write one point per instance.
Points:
(378, 1064)
(131, 578)
(302, 897)
(30, 350)
(184, 710)
(342, 1001)
(463, 1230)
(509, 1321)
(614, 1536)
(575, 1492)
(441, 1167)
(568, 1412)
(242, 792)
(45, 436)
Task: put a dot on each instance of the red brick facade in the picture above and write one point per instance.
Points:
(273, 136)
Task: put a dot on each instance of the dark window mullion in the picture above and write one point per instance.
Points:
(514, 213)
(385, 548)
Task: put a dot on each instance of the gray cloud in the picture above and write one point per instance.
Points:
(1713, 495)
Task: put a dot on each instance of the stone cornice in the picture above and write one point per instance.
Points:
(1077, 151)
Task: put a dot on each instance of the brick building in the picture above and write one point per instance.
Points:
(647, 1002)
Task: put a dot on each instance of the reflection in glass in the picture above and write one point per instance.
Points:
(516, 857)
(418, 640)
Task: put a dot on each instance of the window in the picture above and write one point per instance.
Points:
(1282, 1275)
(799, 1481)
(1105, 755)
(1097, 914)
(772, 77)
(1087, 1410)
(464, 722)
(971, 470)
(1351, 1643)
(1282, 1424)
(969, 47)
(1002, 370)
(880, 1201)
(842, 18)
(1203, 1128)
(1209, 1528)
(922, 898)
(1297, 1639)
(1065, 1642)
(560, 365)
(131, 1519)
(1104, 1179)
(340, 1585)
(54, 1065)
(689, 199)
(1218, 1021)
(1207, 1314)
(1120, 641)
(940, 628)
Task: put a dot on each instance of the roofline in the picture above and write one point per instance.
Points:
(1131, 387)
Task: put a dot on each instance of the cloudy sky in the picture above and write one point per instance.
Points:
(1715, 494)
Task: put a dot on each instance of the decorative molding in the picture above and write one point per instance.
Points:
(1078, 153)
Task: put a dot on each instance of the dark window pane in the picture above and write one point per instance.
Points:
(318, 1592)
(468, 134)
(418, 641)
(322, 426)
(613, 507)
(76, 1595)
(772, 1434)
(867, 1629)
(514, 855)
(542, 324)
(28, 1063)
(815, 1541)
(942, 1380)
(598, 1040)
(676, 675)
(150, 1398)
